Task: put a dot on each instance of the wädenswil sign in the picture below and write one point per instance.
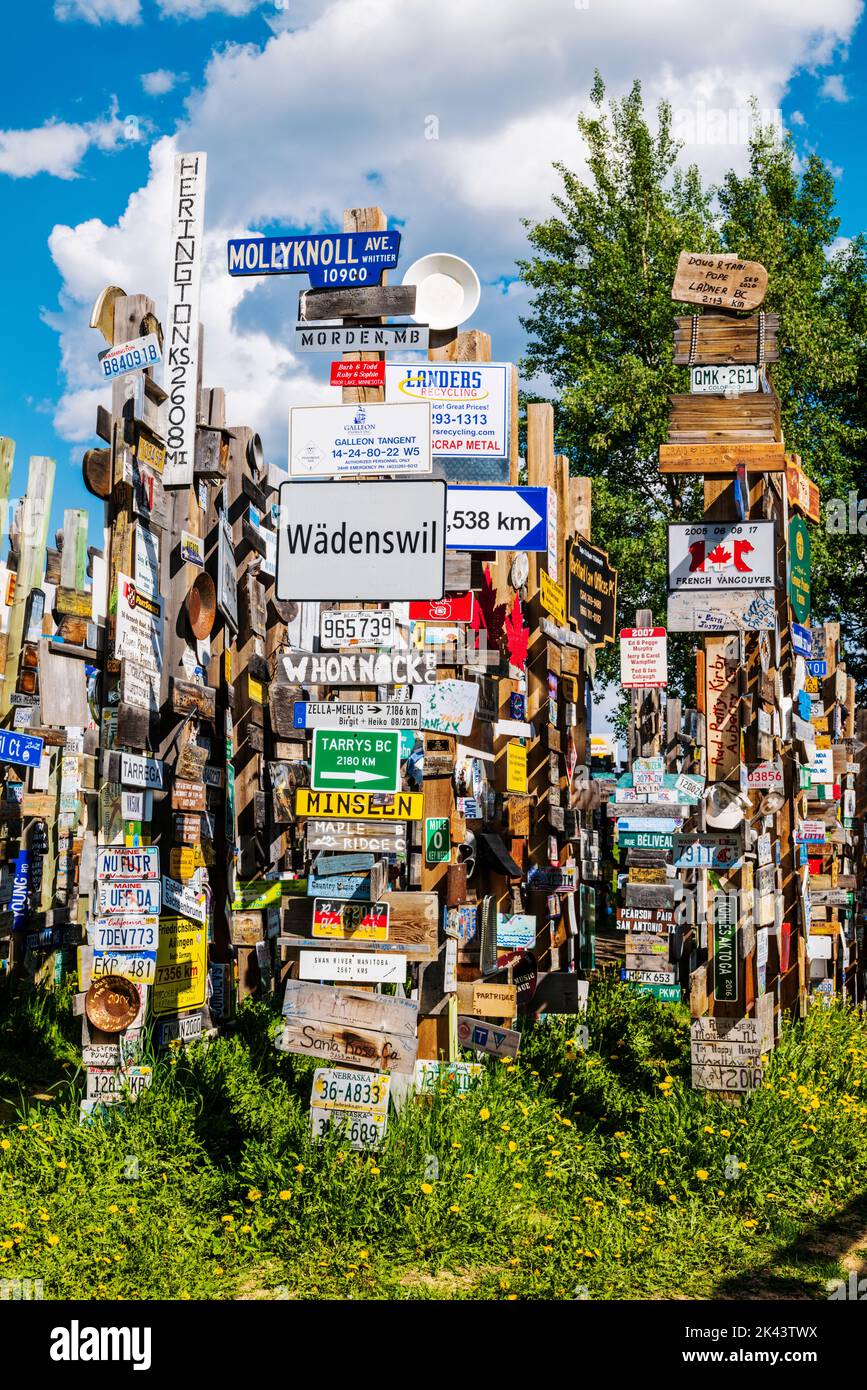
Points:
(334, 441)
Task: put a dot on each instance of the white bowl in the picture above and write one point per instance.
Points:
(448, 290)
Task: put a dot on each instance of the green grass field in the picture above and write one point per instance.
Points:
(571, 1174)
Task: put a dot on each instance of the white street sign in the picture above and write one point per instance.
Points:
(310, 715)
(342, 441)
(386, 337)
(643, 658)
(497, 518)
(139, 771)
(182, 317)
(722, 555)
(362, 541)
(356, 627)
(342, 967)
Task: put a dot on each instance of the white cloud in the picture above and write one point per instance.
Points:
(158, 82)
(57, 147)
(197, 9)
(797, 118)
(334, 113)
(99, 11)
(834, 88)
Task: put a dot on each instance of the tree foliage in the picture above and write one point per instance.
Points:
(601, 327)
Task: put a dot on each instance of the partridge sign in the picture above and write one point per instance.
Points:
(725, 555)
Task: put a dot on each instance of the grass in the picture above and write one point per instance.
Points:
(570, 1174)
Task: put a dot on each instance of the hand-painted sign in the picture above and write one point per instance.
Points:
(343, 715)
(471, 403)
(447, 706)
(337, 441)
(328, 258)
(799, 569)
(643, 658)
(719, 281)
(497, 518)
(363, 541)
(802, 491)
(386, 337)
(356, 627)
(182, 318)
(591, 592)
(355, 835)
(348, 758)
(130, 357)
(731, 610)
(24, 750)
(721, 555)
(349, 1026)
(358, 668)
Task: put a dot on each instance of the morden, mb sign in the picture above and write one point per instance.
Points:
(365, 541)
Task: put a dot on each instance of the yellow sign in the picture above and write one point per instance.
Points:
(553, 598)
(516, 767)
(149, 452)
(255, 691)
(184, 860)
(182, 966)
(358, 805)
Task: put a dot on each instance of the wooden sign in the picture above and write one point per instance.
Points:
(76, 603)
(486, 1037)
(715, 459)
(802, 492)
(391, 337)
(731, 610)
(722, 708)
(487, 1000)
(714, 338)
(149, 501)
(356, 835)
(188, 698)
(347, 1025)
(150, 451)
(719, 281)
(139, 687)
(189, 796)
(591, 591)
(353, 967)
(359, 668)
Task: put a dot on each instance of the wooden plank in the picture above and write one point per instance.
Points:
(719, 281)
(721, 458)
(357, 302)
(35, 516)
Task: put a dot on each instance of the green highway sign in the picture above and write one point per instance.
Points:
(437, 840)
(356, 760)
(666, 994)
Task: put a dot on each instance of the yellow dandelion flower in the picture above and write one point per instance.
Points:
(484, 1113)
(454, 1209)
(375, 1171)
(245, 1230)
(114, 1207)
(702, 1174)
(61, 1163)
(253, 1195)
(4, 1144)
(426, 1188)
(708, 1129)
(512, 1146)
(228, 1219)
(53, 1240)
(517, 1185)
(456, 1144)
(285, 1194)
(299, 1167)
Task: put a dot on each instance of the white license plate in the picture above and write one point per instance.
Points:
(356, 628)
(358, 1129)
(363, 1090)
(717, 380)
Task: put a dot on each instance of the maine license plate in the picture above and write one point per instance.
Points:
(356, 628)
(717, 380)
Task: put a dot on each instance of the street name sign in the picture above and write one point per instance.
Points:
(334, 258)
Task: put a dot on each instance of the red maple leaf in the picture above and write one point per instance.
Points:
(487, 612)
(517, 635)
(719, 555)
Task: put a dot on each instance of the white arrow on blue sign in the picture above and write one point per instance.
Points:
(497, 518)
(334, 258)
(23, 749)
(802, 640)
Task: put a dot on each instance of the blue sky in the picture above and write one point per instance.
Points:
(307, 106)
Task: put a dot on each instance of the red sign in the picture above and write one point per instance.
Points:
(454, 608)
(643, 658)
(358, 373)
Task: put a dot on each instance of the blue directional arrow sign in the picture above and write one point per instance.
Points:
(23, 749)
(497, 518)
(332, 258)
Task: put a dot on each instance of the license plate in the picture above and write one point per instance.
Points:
(332, 1086)
(138, 966)
(717, 380)
(356, 628)
(358, 1129)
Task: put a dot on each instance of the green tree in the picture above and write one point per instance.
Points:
(601, 326)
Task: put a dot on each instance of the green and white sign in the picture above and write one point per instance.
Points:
(437, 840)
(799, 569)
(645, 839)
(725, 936)
(355, 759)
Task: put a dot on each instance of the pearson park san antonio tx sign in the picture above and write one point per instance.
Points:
(338, 258)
